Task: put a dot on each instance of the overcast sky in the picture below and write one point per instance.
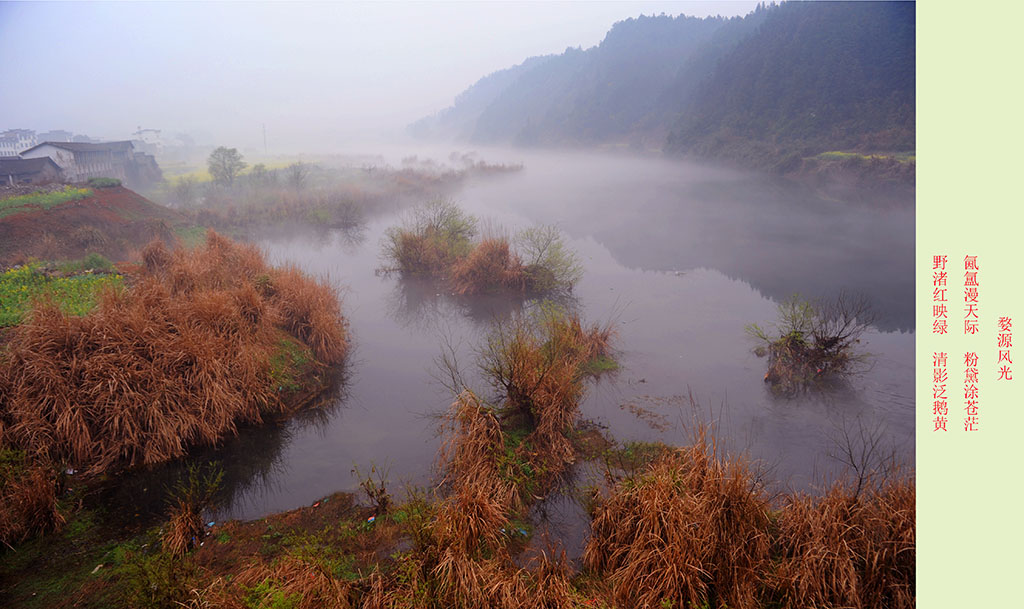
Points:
(310, 72)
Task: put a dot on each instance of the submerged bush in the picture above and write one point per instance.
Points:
(438, 242)
(813, 343)
(435, 237)
(550, 265)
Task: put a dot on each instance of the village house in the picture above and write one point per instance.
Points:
(79, 161)
(16, 170)
(57, 135)
(13, 141)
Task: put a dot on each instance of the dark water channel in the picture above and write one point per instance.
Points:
(681, 256)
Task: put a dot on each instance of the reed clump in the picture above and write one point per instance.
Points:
(28, 498)
(491, 266)
(692, 530)
(433, 238)
(179, 358)
(190, 497)
(848, 548)
(537, 364)
(498, 459)
(439, 240)
(292, 582)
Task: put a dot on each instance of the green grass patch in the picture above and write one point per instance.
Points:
(287, 363)
(856, 157)
(76, 295)
(266, 595)
(191, 236)
(633, 457)
(95, 263)
(599, 365)
(50, 569)
(41, 200)
(104, 182)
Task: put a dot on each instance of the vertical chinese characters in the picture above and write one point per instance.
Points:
(971, 391)
(1004, 340)
(940, 404)
(940, 314)
(971, 294)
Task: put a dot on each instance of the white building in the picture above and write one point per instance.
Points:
(80, 161)
(14, 141)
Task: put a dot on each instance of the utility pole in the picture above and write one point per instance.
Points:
(264, 139)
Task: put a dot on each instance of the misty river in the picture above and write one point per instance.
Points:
(681, 256)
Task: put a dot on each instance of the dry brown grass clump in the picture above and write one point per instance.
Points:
(848, 550)
(537, 364)
(291, 582)
(184, 530)
(310, 311)
(28, 500)
(179, 358)
(491, 267)
(691, 531)
(432, 239)
(470, 457)
(438, 241)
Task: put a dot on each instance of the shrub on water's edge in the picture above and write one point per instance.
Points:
(178, 359)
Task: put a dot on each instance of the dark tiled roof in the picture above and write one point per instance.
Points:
(87, 147)
(17, 167)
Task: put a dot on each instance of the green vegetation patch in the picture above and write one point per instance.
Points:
(104, 182)
(633, 457)
(856, 157)
(191, 236)
(599, 365)
(76, 294)
(41, 200)
(94, 263)
(266, 595)
(287, 363)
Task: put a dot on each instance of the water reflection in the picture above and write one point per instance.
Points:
(252, 463)
(781, 238)
(682, 257)
(426, 305)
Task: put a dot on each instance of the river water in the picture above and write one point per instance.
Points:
(680, 257)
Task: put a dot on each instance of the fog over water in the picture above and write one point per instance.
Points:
(681, 256)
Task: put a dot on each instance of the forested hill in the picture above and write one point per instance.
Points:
(784, 82)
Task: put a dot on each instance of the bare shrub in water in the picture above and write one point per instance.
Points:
(435, 236)
(815, 342)
(437, 241)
